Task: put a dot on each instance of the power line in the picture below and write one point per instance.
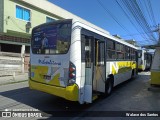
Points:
(136, 11)
(144, 24)
(129, 17)
(133, 34)
(113, 17)
(128, 6)
(149, 13)
(150, 7)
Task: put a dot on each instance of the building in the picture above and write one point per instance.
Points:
(20, 16)
(132, 41)
(18, 19)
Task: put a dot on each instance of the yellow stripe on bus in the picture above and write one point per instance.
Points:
(123, 67)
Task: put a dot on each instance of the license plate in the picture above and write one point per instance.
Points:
(47, 77)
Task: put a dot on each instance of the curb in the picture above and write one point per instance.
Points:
(7, 83)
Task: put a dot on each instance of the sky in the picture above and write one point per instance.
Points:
(130, 19)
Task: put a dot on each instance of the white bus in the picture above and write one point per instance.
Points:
(78, 62)
(144, 60)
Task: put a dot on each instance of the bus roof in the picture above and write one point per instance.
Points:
(89, 27)
(101, 32)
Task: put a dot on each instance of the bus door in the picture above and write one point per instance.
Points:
(99, 75)
(87, 53)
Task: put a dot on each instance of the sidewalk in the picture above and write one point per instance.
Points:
(13, 79)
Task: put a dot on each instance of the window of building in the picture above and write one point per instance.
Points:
(22, 13)
(48, 19)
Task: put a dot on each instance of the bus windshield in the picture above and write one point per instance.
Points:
(51, 38)
(139, 53)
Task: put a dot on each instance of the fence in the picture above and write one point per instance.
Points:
(26, 62)
(11, 63)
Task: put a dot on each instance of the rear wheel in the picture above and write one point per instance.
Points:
(133, 73)
(108, 86)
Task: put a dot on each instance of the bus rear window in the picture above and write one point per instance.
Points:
(51, 39)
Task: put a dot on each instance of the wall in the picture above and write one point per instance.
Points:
(10, 63)
(1, 16)
(17, 26)
(39, 10)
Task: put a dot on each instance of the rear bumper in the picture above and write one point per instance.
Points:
(69, 92)
(141, 67)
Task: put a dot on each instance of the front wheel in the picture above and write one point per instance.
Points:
(108, 87)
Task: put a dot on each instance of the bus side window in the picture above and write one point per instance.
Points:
(86, 50)
(111, 54)
(127, 56)
(120, 51)
(139, 54)
(145, 56)
(101, 53)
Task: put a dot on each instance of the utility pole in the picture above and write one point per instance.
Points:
(158, 30)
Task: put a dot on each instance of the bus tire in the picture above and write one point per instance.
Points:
(133, 74)
(108, 86)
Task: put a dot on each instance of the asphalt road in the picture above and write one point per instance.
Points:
(132, 96)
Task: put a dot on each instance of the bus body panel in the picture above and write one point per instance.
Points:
(50, 73)
(49, 66)
(75, 58)
(155, 69)
(121, 70)
(50, 69)
(144, 60)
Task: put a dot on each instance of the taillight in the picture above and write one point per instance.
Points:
(72, 74)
